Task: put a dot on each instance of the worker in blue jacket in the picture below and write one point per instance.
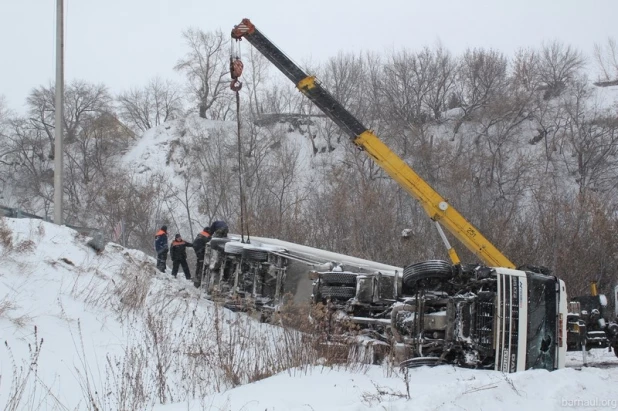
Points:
(219, 229)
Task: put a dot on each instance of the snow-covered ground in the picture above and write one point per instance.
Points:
(107, 331)
(441, 388)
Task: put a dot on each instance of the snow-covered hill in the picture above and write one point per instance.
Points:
(195, 157)
(87, 330)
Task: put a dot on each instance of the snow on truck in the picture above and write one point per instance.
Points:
(491, 316)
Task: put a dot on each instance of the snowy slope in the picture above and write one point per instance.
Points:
(118, 335)
(442, 388)
(154, 151)
(108, 321)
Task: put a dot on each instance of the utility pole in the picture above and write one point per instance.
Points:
(58, 134)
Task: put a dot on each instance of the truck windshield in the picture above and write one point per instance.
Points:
(542, 332)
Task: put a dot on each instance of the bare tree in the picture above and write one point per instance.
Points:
(405, 85)
(342, 76)
(185, 196)
(5, 116)
(282, 190)
(281, 97)
(134, 200)
(255, 77)
(4, 111)
(592, 136)
(558, 66)
(83, 101)
(443, 80)
(151, 105)
(606, 57)
(29, 165)
(4, 122)
(212, 157)
(482, 75)
(205, 67)
(526, 69)
(91, 157)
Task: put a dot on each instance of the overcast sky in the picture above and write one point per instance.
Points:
(124, 43)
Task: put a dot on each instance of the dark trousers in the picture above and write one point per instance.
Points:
(199, 266)
(162, 260)
(198, 271)
(185, 268)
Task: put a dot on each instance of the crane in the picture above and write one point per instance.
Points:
(435, 206)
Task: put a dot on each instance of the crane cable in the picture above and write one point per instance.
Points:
(236, 68)
(242, 194)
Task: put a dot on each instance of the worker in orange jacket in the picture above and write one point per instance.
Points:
(199, 246)
(178, 252)
(161, 248)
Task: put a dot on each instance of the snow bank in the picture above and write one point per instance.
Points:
(440, 388)
(108, 329)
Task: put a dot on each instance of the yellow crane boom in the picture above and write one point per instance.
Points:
(436, 206)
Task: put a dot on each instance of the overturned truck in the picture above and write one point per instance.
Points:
(497, 315)
(428, 313)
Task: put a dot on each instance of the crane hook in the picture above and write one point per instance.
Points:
(236, 67)
(236, 85)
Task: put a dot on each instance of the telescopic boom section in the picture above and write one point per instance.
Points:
(436, 207)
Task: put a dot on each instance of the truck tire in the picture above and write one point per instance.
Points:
(339, 293)
(421, 361)
(338, 278)
(254, 254)
(432, 269)
(218, 243)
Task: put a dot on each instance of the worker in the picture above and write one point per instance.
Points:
(219, 229)
(179, 256)
(199, 246)
(161, 248)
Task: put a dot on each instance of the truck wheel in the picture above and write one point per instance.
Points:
(340, 293)
(338, 278)
(253, 254)
(615, 347)
(218, 243)
(421, 361)
(426, 270)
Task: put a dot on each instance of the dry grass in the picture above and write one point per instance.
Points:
(23, 391)
(25, 246)
(177, 352)
(132, 289)
(7, 306)
(6, 235)
(180, 347)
